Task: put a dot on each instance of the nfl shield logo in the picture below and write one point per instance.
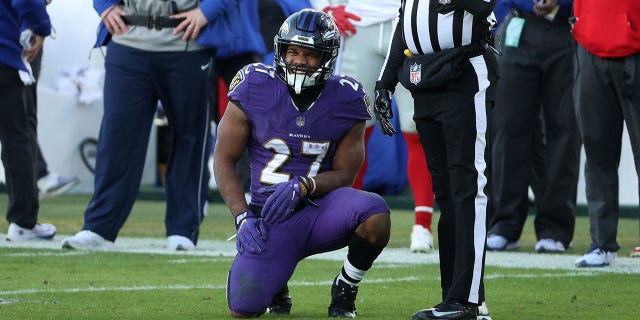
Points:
(415, 73)
(300, 121)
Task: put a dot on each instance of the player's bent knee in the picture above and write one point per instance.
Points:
(376, 229)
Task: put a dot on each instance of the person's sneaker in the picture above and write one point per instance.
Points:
(450, 309)
(54, 184)
(549, 245)
(635, 253)
(41, 231)
(597, 258)
(483, 312)
(180, 243)
(343, 300)
(87, 240)
(281, 302)
(499, 243)
(421, 239)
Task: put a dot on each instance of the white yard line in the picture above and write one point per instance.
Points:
(218, 248)
(211, 250)
(223, 286)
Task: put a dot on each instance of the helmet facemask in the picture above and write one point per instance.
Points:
(310, 29)
(300, 77)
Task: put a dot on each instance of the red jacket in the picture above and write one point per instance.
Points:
(608, 28)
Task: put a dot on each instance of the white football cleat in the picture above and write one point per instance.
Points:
(421, 239)
(41, 231)
(180, 243)
(87, 240)
(483, 312)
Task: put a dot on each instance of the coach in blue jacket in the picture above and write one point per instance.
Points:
(18, 114)
(156, 50)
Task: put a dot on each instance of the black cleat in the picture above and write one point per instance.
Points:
(281, 302)
(343, 300)
(450, 309)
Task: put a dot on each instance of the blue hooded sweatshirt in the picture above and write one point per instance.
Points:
(15, 16)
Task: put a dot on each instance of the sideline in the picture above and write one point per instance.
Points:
(219, 248)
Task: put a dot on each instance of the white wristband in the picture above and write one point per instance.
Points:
(239, 218)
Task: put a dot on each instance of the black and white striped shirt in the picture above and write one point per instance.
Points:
(435, 25)
(427, 26)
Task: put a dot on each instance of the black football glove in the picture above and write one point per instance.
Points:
(382, 110)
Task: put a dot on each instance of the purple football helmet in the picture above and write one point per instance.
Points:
(311, 29)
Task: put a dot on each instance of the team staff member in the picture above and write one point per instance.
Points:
(607, 95)
(18, 115)
(451, 77)
(536, 78)
(153, 55)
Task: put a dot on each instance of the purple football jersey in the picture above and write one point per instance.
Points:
(286, 142)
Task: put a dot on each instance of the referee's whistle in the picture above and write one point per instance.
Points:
(408, 53)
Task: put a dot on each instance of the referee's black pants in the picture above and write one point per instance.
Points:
(452, 125)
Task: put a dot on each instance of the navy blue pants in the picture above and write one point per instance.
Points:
(135, 80)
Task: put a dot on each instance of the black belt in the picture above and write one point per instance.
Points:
(151, 22)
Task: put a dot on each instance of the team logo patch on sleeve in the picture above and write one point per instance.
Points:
(237, 79)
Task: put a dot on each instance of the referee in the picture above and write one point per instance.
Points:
(439, 52)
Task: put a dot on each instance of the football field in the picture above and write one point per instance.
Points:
(141, 279)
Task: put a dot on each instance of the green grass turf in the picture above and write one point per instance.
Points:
(56, 284)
